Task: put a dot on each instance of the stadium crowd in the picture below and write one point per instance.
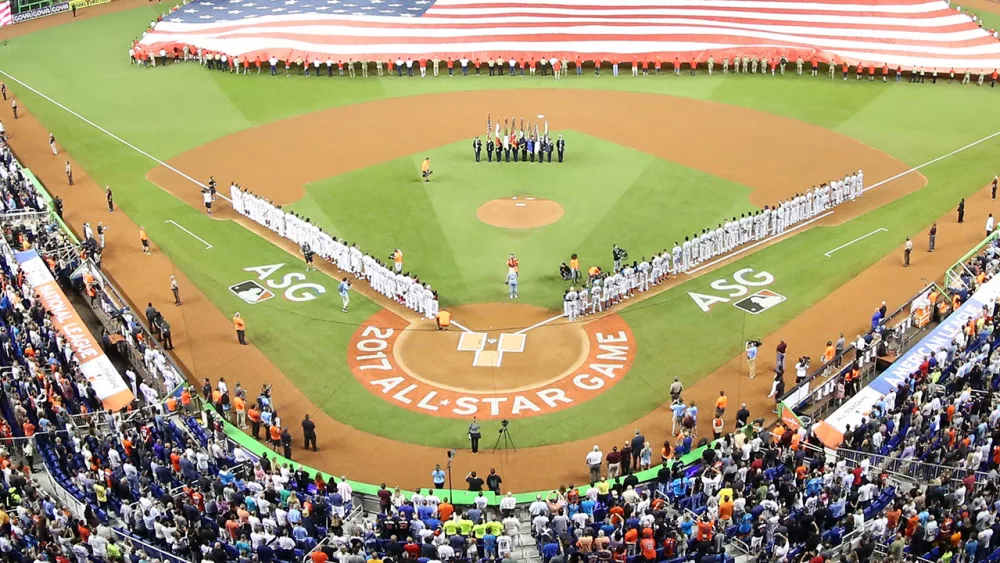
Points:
(604, 289)
(386, 278)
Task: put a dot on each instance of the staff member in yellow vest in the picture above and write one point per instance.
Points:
(443, 319)
(241, 328)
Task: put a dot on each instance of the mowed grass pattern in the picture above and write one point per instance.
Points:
(610, 195)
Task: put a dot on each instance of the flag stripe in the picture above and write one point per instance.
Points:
(6, 18)
(895, 32)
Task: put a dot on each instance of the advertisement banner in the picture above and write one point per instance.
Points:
(831, 430)
(95, 366)
(85, 3)
(788, 418)
(41, 12)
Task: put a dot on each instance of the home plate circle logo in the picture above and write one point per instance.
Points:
(498, 359)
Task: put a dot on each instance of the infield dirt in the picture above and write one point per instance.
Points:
(207, 347)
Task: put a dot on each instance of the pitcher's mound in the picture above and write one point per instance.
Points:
(519, 212)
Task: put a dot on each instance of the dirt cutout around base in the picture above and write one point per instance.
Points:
(519, 213)
(486, 365)
(490, 356)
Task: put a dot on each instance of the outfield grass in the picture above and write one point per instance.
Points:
(172, 110)
(602, 187)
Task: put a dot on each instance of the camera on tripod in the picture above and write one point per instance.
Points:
(504, 437)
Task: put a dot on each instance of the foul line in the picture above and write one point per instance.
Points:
(929, 162)
(538, 324)
(110, 134)
(758, 243)
(862, 237)
(178, 225)
(459, 325)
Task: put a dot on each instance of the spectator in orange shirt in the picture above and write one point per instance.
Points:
(648, 546)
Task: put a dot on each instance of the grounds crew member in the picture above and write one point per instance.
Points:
(425, 169)
(144, 239)
(175, 290)
(241, 328)
(443, 319)
(69, 173)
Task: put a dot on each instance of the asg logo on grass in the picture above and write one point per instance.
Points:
(760, 301)
(742, 279)
(297, 292)
(251, 292)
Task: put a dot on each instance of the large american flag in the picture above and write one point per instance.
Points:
(907, 33)
(5, 16)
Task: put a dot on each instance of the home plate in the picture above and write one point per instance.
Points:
(520, 205)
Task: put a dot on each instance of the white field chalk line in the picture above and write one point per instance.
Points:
(929, 162)
(538, 324)
(112, 135)
(459, 325)
(520, 205)
(178, 225)
(862, 237)
(758, 243)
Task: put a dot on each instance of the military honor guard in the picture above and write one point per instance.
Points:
(477, 147)
(523, 144)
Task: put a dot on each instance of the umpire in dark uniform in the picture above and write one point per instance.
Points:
(489, 150)
(477, 147)
(560, 147)
(309, 432)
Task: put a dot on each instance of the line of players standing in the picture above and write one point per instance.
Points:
(390, 281)
(606, 289)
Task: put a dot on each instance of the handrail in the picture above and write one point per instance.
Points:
(148, 547)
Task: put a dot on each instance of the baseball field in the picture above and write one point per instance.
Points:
(649, 160)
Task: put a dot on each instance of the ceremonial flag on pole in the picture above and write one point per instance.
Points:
(546, 127)
(496, 134)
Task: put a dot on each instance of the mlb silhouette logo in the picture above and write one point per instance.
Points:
(251, 292)
(760, 301)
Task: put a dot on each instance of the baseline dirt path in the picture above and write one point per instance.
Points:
(207, 348)
(773, 155)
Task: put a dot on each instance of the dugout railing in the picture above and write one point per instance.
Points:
(896, 334)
